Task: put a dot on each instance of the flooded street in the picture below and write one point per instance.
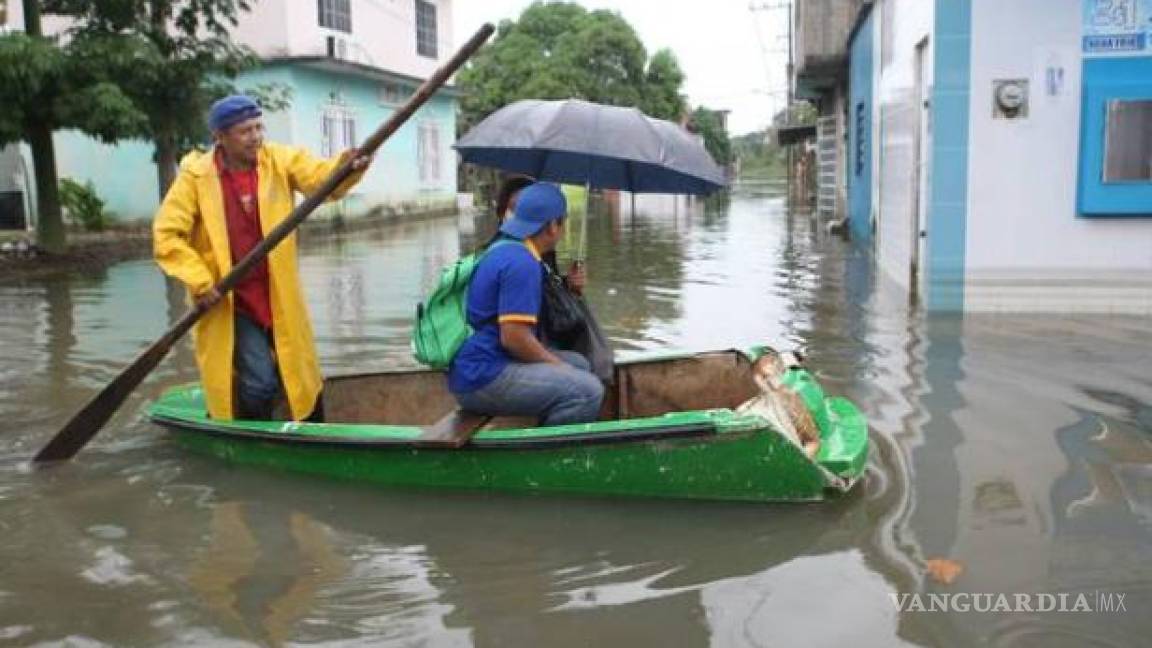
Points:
(1020, 448)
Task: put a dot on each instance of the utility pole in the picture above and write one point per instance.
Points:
(790, 70)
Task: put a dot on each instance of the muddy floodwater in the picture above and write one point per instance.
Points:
(1010, 454)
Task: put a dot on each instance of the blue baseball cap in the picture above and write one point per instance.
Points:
(538, 204)
(230, 111)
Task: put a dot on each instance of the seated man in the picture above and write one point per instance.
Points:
(503, 369)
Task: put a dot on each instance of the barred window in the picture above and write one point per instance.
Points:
(426, 29)
(336, 14)
(337, 130)
(428, 151)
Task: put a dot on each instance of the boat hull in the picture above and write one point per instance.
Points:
(717, 454)
(752, 465)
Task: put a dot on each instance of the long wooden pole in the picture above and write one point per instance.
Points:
(88, 421)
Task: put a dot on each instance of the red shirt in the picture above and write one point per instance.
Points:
(242, 213)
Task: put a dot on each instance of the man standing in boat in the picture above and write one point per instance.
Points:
(253, 346)
(504, 369)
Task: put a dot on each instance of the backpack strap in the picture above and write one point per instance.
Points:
(499, 242)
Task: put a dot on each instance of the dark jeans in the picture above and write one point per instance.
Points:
(555, 395)
(258, 384)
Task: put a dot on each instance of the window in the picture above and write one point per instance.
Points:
(337, 130)
(428, 151)
(1128, 141)
(394, 93)
(426, 28)
(336, 14)
(1115, 178)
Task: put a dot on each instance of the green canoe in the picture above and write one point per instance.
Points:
(671, 426)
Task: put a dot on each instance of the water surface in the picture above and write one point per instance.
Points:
(1018, 447)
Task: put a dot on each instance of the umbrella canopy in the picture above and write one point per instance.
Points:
(604, 147)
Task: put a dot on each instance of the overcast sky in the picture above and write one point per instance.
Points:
(732, 57)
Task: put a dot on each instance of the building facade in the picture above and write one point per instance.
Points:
(348, 65)
(999, 154)
(821, 29)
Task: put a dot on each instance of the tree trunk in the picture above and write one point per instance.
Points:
(165, 164)
(32, 18)
(49, 222)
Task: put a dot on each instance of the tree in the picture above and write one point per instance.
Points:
(46, 86)
(662, 82)
(710, 124)
(759, 154)
(561, 50)
(183, 60)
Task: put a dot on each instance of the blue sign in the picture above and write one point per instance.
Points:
(1115, 43)
(1117, 27)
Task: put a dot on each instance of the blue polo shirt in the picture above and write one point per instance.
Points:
(507, 286)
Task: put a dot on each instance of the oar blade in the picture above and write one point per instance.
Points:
(87, 422)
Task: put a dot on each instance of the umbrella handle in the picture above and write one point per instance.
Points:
(582, 248)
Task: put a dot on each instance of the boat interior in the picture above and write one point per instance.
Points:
(641, 389)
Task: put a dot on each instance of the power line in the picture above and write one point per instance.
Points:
(776, 6)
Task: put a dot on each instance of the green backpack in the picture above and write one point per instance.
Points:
(441, 320)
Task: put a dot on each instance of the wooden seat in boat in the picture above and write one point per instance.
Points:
(454, 429)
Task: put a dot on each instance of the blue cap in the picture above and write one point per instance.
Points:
(538, 204)
(230, 111)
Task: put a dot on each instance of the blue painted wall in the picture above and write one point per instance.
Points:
(1106, 79)
(394, 176)
(125, 176)
(948, 193)
(860, 109)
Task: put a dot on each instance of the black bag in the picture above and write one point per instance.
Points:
(563, 317)
(568, 324)
(593, 345)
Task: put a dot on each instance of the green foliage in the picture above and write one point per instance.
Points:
(561, 50)
(46, 85)
(62, 86)
(662, 82)
(272, 97)
(82, 204)
(758, 154)
(710, 124)
(177, 56)
(802, 113)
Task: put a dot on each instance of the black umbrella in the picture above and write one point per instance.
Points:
(602, 147)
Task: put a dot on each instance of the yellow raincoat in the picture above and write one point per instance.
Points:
(190, 243)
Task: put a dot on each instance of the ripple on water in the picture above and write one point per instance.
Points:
(9, 633)
(107, 532)
(112, 568)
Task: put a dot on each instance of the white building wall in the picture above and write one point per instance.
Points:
(902, 25)
(1026, 247)
(875, 135)
(383, 33)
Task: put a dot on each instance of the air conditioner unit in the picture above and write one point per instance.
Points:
(337, 48)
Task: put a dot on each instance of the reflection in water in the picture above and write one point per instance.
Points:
(266, 601)
(1018, 447)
